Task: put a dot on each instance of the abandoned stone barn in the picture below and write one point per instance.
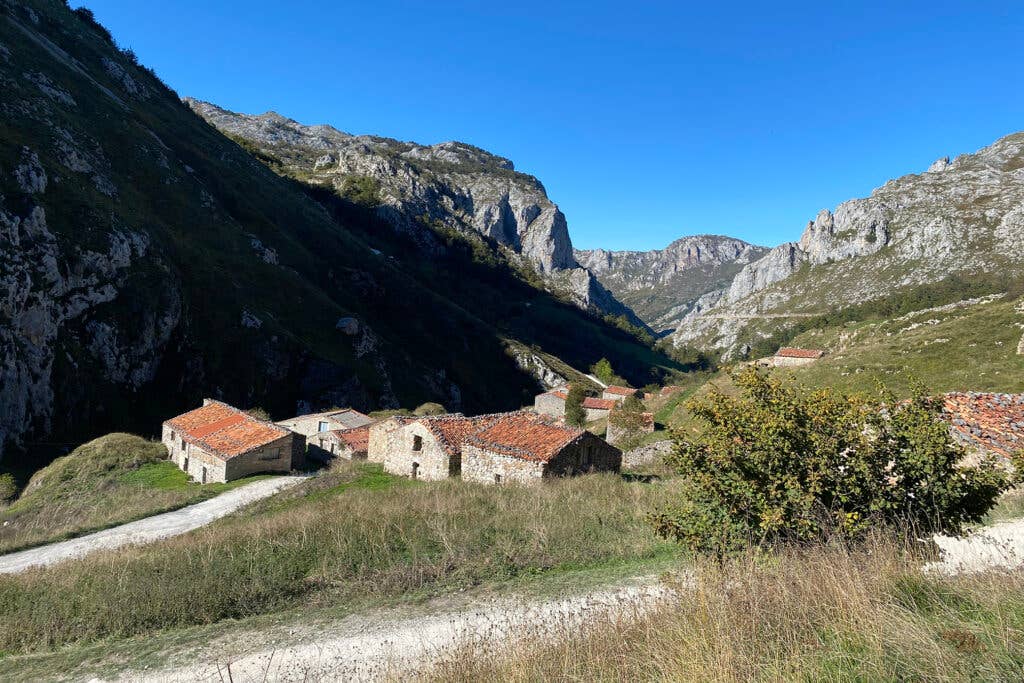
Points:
(428, 448)
(315, 423)
(788, 357)
(618, 393)
(553, 403)
(218, 443)
(525, 448)
(339, 443)
(986, 423)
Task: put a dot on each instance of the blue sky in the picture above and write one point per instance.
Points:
(646, 121)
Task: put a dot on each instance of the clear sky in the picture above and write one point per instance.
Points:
(646, 121)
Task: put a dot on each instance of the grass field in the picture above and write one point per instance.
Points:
(354, 536)
(824, 614)
(108, 481)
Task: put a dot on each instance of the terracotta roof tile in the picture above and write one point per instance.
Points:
(451, 430)
(791, 352)
(224, 431)
(991, 422)
(621, 391)
(525, 435)
(357, 438)
(599, 403)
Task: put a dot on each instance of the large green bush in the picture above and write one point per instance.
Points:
(784, 463)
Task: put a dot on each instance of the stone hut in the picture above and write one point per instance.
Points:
(619, 394)
(430, 448)
(383, 437)
(525, 448)
(551, 402)
(340, 443)
(788, 357)
(598, 408)
(314, 423)
(218, 443)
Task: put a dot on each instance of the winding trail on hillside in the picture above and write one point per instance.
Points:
(148, 529)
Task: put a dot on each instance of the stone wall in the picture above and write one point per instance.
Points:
(275, 456)
(197, 463)
(787, 362)
(595, 414)
(648, 454)
(549, 404)
(429, 463)
(616, 434)
(325, 448)
(383, 439)
(481, 466)
(589, 454)
(307, 425)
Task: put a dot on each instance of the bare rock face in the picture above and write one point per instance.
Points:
(461, 186)
(963, 216)
(661, 286)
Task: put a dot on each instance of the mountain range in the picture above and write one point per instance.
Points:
(156, 250)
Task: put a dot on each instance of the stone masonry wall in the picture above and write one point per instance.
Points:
(193, 459)
(276, 456)
(434, 463)
(785, 362)
(549, 404)
(482, 465)
(384, 438)
(589, 454)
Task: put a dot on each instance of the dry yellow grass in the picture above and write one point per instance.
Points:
(813, 615)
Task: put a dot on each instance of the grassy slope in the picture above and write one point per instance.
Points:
(355, 537)
(201, 199)
(112, 480)
(816, 615)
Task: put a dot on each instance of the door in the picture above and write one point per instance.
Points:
(204, 474)
(415, 470)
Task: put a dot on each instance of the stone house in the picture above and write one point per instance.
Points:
(314, 423)
(619, 394)
(788, 357)
(428, 448)
(598, 408)
(218, 443)
(339, 443)
(551, 402)
(617, 433)
(526, 448)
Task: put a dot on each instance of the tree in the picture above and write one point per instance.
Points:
(782, 463)
(602, 369)
(627, 421)
(574, 411)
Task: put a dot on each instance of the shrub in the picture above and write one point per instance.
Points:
(429, 409)
(783, 463)
(574, 412)
(628, 418)
(8, 488)
(602, 369)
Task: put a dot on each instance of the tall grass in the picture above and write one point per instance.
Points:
(363, 544)
(826, 614)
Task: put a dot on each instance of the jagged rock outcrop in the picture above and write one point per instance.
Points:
(459, 185)
(661, 286)
(964, 216)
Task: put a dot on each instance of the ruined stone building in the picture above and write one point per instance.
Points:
(348, 444)
(218, 443)
(619, 393)
(525, 448)
(986, 423)
(427, 448)
(596, 408)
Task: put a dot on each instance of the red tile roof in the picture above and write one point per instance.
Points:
(621, 391)
(525, 435)
(357, 438)
(991, 422)
(451, 430)
(599, 403)
(224, 431)
(670, 390)
(790, 352)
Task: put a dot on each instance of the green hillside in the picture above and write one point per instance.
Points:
(158, 262)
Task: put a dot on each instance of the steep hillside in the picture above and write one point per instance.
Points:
(662, 286)
(147, 260)
(419, 189)
(963, 218)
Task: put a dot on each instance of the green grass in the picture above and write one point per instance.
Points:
(112, 480)
(362, 539)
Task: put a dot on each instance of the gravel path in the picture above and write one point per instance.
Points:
(146, 530)
(387, 646)
(1000, 546)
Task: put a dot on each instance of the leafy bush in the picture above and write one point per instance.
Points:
(8, 487)
(628, 418)
(574, 412)
(780, 463)
(429, 409)
(602, 369)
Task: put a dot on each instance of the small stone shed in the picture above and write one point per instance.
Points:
(551, 402)
(525, 448)
(339, 443)
(788, 357)
(618, 393)
(598, 408)
(219, 443)
(428, 448)
(314, 423)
